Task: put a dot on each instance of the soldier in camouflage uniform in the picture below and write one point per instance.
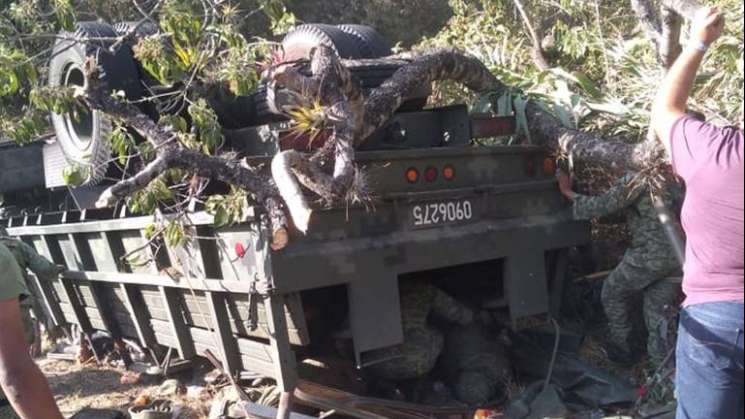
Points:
(19, 374)
(476, 364)
(29, 260)
(647, 264)
(423, 342)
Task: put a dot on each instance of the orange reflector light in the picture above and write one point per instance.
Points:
(549, 166)
(412, 175)
(486, 414)
(431, 174)
(448, 173)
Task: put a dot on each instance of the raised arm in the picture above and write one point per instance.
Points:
(672, 100)
(620, 196)
(39, 265)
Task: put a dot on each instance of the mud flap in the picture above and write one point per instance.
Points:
(525, 285)
(375, 314)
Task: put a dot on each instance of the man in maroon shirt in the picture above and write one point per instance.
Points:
(709, 159)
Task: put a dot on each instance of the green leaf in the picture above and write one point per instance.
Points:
(76, 175)
(587, 85)
(150, 231)
(175, 234)
(222, 218)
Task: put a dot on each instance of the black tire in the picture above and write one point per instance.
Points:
(84, 140)
(299, 43)
(151, 87)
(371, 43)
(141, 30)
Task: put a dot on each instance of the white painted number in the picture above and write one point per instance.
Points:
(442, 213)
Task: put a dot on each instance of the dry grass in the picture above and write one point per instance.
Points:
(77, 387)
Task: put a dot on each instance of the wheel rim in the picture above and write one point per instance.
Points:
(80, 128)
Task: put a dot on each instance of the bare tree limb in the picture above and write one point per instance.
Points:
(539, 58)
(664, 28)
(669, 46)
(423, 69)
(685, 8)
(613, 156)
(649, 19)
(170, 154)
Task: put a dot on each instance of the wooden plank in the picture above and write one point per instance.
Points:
(91, 294)
(139, 316)
(81, 317)
(256, 357)
(282, 354)
(68, 313)
(109, 251)
(120, 224)
(176, 319)
(50, 302)
(79, 313)
(212, 285)
(224, 333)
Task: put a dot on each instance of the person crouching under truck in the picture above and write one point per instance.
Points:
(424, 343)
(29, 260)
(644, 270)
(24, 392)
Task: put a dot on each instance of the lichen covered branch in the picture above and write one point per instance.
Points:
(170, 154)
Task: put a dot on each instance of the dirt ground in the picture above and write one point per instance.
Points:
(77, 387)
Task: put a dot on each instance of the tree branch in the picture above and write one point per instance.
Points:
(539, 58)
(170, 154)
(613, 156)
(424, 69)
(669, 46)
(685, 8)
(664, 28)
(649, 19)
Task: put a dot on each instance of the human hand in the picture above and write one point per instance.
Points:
(708, 25)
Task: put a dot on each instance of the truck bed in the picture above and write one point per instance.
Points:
(226, 292)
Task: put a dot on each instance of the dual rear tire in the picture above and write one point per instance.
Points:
(84, 138)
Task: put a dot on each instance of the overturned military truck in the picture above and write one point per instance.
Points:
(443, 205)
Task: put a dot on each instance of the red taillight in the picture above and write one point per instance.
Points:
(448, 173)
(431, 174)
(412, 175)
(240, 251)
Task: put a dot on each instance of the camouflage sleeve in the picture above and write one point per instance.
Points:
(11, 280)
(620, 196)
(39, 265)
(451, 310)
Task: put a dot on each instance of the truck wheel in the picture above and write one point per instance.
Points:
(84, 138)
(141, 30)
(156, 107)
(370, 42)
(299, 43)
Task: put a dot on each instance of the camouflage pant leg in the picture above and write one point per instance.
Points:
(415, 358)
(619, 291)
(658, 300)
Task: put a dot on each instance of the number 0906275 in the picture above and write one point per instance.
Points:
(441, 213)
